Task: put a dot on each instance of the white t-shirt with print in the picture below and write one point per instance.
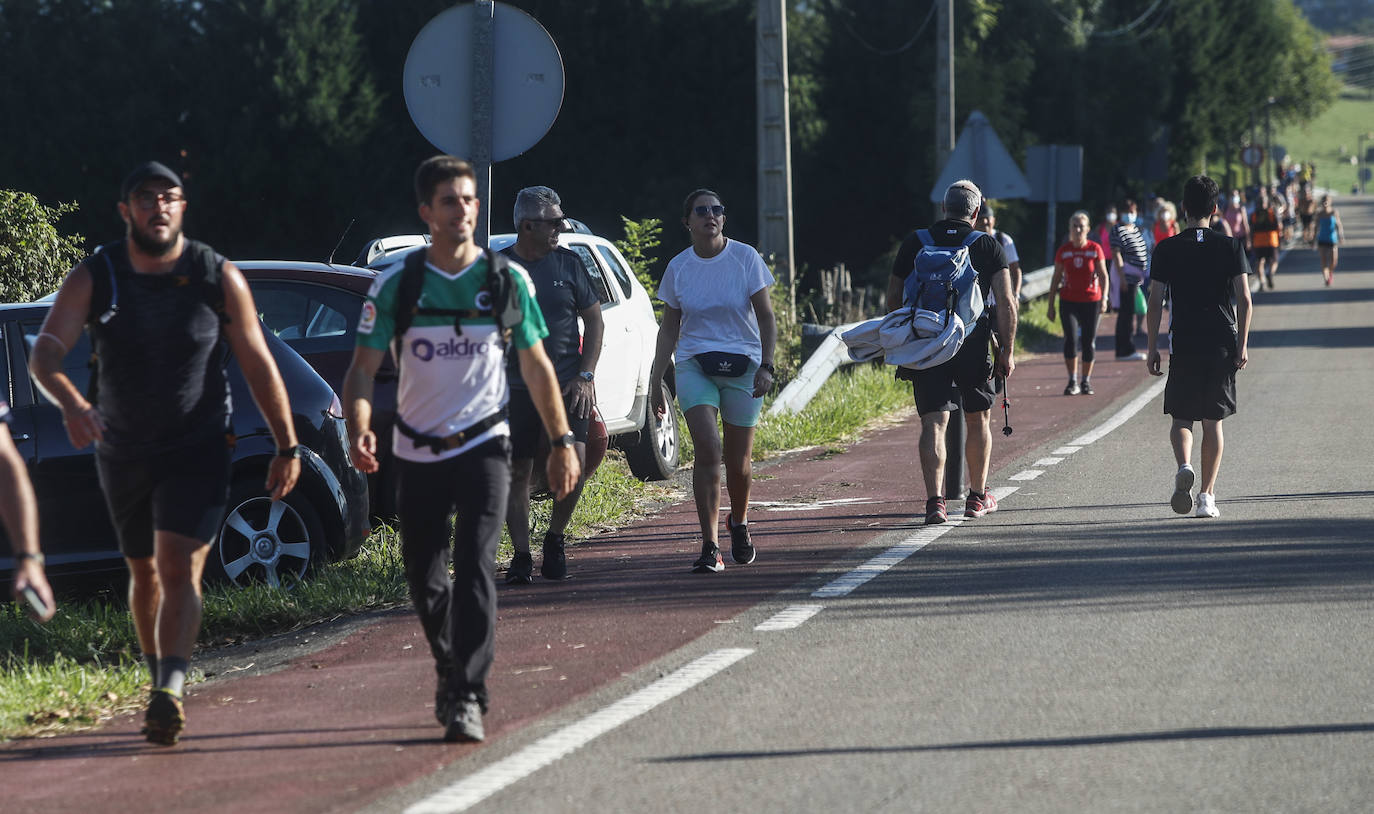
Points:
(713, 296)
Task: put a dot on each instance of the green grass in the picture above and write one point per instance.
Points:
(1331, 139)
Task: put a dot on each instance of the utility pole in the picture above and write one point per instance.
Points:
(1269, 144)
(955, 432)
(775, 144)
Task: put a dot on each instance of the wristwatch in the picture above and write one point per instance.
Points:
(587, 375)
(567, 439)
(30, 555)
(768, 366)
(293, 451)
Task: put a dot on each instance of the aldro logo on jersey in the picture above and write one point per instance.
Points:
(458, 347)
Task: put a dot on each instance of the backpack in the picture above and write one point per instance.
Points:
(944, 281)
(504, 308)
(205, 274)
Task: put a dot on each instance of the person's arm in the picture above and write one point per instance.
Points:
(1055, 280)
(563, 469)
(668, 331)
(61, 330)
(1015, 268)
(768, 337)
(1340, 230)
(1153, 311)
(244, 332)
(1101, 272)
(582, 393)
(357, 404)
(1006, 323)
(19, 511)
(1240, 284)
(901, 267)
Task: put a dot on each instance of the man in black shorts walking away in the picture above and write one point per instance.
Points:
(1205, 276)
(964, 382)
(160, 308)
(564, 293)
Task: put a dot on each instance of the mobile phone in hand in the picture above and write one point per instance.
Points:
(35, 602)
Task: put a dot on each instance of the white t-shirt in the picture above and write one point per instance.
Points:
(713, 296)
(1008, 247)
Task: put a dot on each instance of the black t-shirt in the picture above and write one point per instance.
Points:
(986, 252)
(1199, 266)
(562, 290)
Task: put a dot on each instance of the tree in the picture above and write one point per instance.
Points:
(34, 255)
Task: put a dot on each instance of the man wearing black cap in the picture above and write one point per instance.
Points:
(159, 308)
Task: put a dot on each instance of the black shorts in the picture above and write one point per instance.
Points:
(1266, 252)
(1201, 386)
(964, 382)
(184, 491)
(526, 428)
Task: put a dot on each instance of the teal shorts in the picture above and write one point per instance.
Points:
(732, 396)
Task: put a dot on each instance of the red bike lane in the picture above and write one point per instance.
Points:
(340, 727)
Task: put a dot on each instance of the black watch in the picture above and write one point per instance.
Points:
(567, 439)
(768, 366)
(293, 451)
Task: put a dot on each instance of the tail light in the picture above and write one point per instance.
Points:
(335, 408)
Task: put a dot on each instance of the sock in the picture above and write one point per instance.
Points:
(1083, 381)
(151, 659)
(173, 675)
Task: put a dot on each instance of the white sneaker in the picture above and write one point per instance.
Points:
(1206, 506)
(1134, 357)
(1182, 501)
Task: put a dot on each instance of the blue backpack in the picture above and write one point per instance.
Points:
(944, 281)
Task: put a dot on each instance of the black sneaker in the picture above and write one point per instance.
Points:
(165, 718)
(521, 569)
(1085, 388)
(741, 547)
(710, 561)
(1071, 389)
(555, 565)
(465, 722)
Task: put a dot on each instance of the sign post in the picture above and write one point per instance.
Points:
(1056, 174)
(483, 64)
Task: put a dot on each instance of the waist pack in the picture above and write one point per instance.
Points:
(944, 282)
(720, 363)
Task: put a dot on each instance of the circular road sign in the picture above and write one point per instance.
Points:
(527, 74)
(1252, 156)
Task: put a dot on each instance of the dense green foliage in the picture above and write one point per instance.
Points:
(289, 123)
(34, 255)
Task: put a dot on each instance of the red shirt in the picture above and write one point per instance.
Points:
(1079, 282)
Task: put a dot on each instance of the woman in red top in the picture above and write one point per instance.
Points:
(1080, 278)
(1166, 225)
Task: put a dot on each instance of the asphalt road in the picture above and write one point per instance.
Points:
(1083, 649)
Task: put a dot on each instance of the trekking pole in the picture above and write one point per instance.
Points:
(1006, 409)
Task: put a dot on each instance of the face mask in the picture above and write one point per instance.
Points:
(1111, 217)
(1167, 216)
(1128, 218)
(1235, 200)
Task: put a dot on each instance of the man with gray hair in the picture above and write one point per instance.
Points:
(564, 293)
(964, 382)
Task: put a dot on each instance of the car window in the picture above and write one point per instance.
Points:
(599, 285)
(308, 317)
(76, 364)
(617, 270)
(6, 392)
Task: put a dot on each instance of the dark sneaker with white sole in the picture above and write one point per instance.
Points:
(521, 569)
(165, 718)
(555, 565)
(710, 561)
(935, 511)
(465, 722)
(741, 547)
(1182, 501)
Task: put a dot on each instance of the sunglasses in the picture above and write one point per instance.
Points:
(149, 201)
(703, 211)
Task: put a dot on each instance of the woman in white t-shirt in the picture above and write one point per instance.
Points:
(719, 321)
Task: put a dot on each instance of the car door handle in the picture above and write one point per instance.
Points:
(22, 437)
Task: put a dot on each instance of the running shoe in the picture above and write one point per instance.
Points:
(165, 718)
(1085, 388)
(935, 511)
(555, 565)
(710, 561)
(741, 547)
(977, 505)
(1133, 357)
(1206, 506)
(521, 569)
(1072, 389)
(1182, 501)
(465, 723)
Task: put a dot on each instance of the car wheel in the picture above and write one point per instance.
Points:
(654, 455)
(261, 542)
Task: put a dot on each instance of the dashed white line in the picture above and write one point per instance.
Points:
(477, 787)
(1047, 462)
(1066, 450)
(1027, 474)
(789, 617)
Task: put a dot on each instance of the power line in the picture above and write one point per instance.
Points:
(1120, 31)
(843, 13)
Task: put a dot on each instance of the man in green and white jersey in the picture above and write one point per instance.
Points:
(452, 442)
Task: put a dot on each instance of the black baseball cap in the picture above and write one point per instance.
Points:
(986, 209)
(144, 171)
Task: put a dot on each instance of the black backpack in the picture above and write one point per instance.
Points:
(504, 308)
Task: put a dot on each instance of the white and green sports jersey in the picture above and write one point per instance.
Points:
(449, 381)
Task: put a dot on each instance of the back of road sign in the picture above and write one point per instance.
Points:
(527, 72)
(1055, 172)
(980, 157)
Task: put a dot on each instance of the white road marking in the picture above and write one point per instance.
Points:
(478, 786)
(1066, 450)
(1047, 462)
(1027, 474)
(789, 617)
(844, 584)
(1136, 405)
(813, 506)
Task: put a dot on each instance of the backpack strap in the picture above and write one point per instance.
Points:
(505, 308)
(923, 235)
(972, 237)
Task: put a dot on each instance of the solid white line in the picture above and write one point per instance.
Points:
(789, 617)
(922, 537)
(1136, 405)
(1047, 462)
(1066, 450)
(477, 787)
(1028, 474)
